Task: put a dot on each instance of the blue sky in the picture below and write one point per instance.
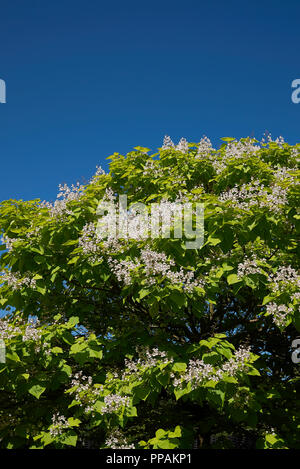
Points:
(86, 79)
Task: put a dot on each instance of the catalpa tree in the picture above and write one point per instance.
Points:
(139, 341)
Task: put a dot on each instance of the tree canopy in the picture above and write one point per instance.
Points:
(140, 342)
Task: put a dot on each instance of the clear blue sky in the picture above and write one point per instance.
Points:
(88, 78)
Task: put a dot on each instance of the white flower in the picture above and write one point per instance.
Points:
(204, 148)
(16, 281)
(9, 242)
(198, 371)
(123, 269)
(8, 329)
(249, 266)
(65, 195)
(116, 440)
(255, 194)
(182, 146)
(114, 402)
(59, 423)
(147, 359)
(284, 277)
(279, 313)
(167, 143)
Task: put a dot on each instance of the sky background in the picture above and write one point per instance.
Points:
(86, 79)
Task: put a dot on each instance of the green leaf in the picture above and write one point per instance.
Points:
(232, 278)
(176, 433)
(69, 439)
(74, 260)
(143, 293)
(178, 298)
(73, 321)
(131, 412)
(56, 350)
(37, 390)
(213, 241)
(216, 396)
(227, 139)
(179, 392)
(47, 439)
(179, 366)
(74, 422)
(160, 433)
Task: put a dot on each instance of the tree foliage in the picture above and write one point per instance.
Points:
(141, 342)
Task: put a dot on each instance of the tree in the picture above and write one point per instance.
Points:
(140, 342)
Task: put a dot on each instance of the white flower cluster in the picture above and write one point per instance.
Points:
(34, 232)
(238, 362)
(81, 381)
(274, 199)
(279, 140)
(279, 313)
(59, 423)
(8, 330)
(9, 242)
(182, 145)
(151, 169)
(157, 263)
(154, 264)
(283, 173)
(285, 277)
(70, 193)
(295, 153)
(296, 296)
(219, 165)
(234, 150)
(237, 149)
(123, 269)
(88, 239)
(16, 281)
(109, 195)
(170, 211)
(116, 440)
(198, 371)
(167, 143)
(99, 172)
(255, 194)
(85, 392)
(186, 280)
(148, 358)
(249, 266)
(178, 180)
(31, 331)
(113, 402)
(205, 148)
(60, 207)
(119, 226)
(91, 237)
